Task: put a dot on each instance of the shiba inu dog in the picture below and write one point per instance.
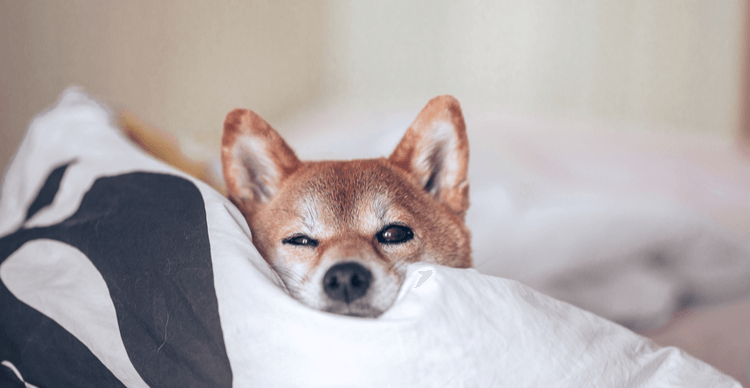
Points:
(340, 233)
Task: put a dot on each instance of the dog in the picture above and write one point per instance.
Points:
(341, 233)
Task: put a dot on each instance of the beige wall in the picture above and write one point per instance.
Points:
(670, 63)
(182, 65)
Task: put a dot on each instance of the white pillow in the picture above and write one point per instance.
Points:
(118, 270)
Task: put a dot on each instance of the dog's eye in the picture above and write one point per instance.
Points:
(301, 240)
(395, 234)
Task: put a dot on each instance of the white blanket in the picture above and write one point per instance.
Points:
(628, 224)
(103, 285)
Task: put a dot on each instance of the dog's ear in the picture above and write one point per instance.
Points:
(435, 152)
(255, 159)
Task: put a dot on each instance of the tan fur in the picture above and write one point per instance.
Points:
(344, 205)
(160, 144)
(165, 147)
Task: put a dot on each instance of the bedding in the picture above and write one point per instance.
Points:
(118, 270)
(630, 223)
(646, 226)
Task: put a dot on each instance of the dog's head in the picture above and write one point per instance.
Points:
(340, 233)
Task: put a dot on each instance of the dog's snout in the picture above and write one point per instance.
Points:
(347, 282)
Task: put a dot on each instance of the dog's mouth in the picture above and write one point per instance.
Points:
(346, 288)
(349, 290)
(361, 310)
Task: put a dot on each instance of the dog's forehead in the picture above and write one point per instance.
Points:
(358, 194)
(342, 180)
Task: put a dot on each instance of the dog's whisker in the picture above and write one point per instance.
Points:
(289, 277)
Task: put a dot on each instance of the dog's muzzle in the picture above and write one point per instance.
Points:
(347, 282)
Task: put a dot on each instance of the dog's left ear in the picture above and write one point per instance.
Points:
(435, 152)
(255, 160)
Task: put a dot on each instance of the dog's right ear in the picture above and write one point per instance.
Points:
(435, 153)
(255, 159)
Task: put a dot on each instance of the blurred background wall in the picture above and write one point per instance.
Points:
(182, 65)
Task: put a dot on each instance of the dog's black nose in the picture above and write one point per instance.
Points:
(347, 282)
